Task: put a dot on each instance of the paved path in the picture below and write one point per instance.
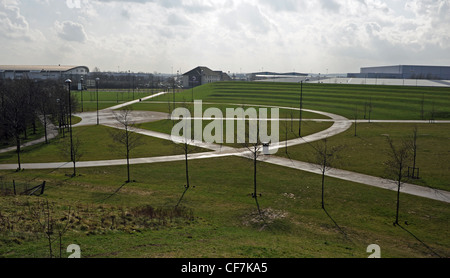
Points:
(411, 189)
(341, 124)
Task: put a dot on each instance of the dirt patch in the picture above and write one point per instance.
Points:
(267, 216)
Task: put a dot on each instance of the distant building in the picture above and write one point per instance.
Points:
(404, 72)
(42, 72)
(274, 75)
(203, 75)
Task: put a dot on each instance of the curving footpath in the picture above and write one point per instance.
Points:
(341, 124)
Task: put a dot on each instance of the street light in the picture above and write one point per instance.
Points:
(69, 82)
(301, 108)
(81, 81)
(96, 84)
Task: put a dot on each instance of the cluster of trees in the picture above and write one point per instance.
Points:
(24, 103)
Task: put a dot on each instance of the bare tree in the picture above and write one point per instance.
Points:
(422, 109)
(413, 143)
(396, 166)
(432, 113)
(45, 105)
(23, 101)
(186, 149)
(50, 224)
(370, 109)
(301, 109)
(254, 146)
(15, 114)
(186, 143)
(126, 135)
(325, 157)
(72, 150)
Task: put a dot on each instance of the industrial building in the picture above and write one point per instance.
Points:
(404, 72)
(271, 76)
(42, 72)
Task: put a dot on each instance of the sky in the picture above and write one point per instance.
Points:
(236, 36)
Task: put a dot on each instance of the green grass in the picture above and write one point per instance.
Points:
(96, 144)
(367, 152)
(168, 107)
(389, 102)
(106, 98)
(286, 130)
(225, 224)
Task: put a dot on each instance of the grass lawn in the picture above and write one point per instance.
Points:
(366, 152)
(286, 130)
(217, 217)
(96, 143)
(168, 107)
(225, 223)
(388, 102)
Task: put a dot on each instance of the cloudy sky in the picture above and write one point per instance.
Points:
(311, 36)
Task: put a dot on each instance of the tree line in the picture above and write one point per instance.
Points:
(26, 103)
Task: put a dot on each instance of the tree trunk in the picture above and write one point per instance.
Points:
(187, 165)
(398, 194)
(45, 128)
(323, 188)
(255, 160)
(18, 151)
(128, 157)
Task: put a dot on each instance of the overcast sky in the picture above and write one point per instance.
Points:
(230, 35)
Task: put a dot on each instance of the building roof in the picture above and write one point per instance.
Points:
(39, 68)
(204, 70)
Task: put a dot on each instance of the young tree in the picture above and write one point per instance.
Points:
(432, 113)
(370, 109)
(414, 151)
(185, 142)
(301, 109)
(254, 146)
(126, 136)
(396, 166)
(73, 151)
(325, 157)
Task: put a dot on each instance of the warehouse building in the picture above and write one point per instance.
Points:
(404, 72)
(42, 72)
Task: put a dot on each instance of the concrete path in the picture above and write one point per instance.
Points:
(411, 189)
(107, 117)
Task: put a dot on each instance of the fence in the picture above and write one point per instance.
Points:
(20, 188)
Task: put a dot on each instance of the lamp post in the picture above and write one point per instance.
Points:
(81, 89)
(301, 107)
(96, 84)
(69, 82)
(134, 76)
